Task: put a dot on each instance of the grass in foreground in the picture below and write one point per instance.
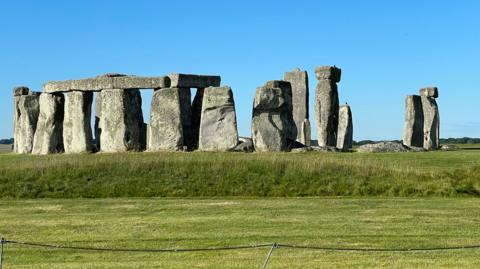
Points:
(186, 223)
(238, 174)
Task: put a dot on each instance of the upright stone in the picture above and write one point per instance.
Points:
(299, 83)
(121, 120)
(413, 127)
(77, 130)
(345, 128)
(326, 105)
(169, 117)
(306, 133)
(26, 110)
(431, 123)
(218, 128)
(271, 116)
(49, 133)
(290, 127)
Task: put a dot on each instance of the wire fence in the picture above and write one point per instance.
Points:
(271, 246)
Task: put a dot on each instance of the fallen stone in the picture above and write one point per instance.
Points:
(329, 73)
(121, 120)
(431, 123)
(107, 83)
(299, 84)
(382, 147)
(49, 134)
(449, 147)
(193, 81)
(26, 113)
(413, 127)
(345, 128)
(218, 127)
(324, 149)
(170, 108)
(270, 120)
(77, 130)
(301, 150)
(245, 145)
(326, 112)
(429, 92)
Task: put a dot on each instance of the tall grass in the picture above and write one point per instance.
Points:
(238, 174)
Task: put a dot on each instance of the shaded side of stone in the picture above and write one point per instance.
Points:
(300, 94)
(326, 112)
(270, 119)
(49, 134)
(431, 123)
(414, 120)
(218, 127)
(26, 113)
(345, 128)
(77, 130)
(290, 126)
(166, 128)
(98, 116)
(121, 120)
(196, 117)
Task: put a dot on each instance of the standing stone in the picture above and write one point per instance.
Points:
(49, 133)
(431, 123)
(271, 116)
(326, 105)
(305, 133)
(290, 127)
(413, 127)
(77, 130)
(218, 128)
(196, 117)
(299, 83)
(345, 128)
(26, 112)
(98, 116)
(121, 120)
(169, 116)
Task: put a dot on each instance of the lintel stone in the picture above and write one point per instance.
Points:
(193, 81)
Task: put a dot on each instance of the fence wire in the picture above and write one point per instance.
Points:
(4, 242)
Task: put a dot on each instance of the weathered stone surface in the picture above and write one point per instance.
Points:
(290, 127)
(413, 127)
(169, 110)
(429, 92)
(299, 84)
(49, 133)
(98, 116)
(245, 145)
(345, 128)
(326, 112)
(270, 120)
(449, 147)
(328, 72)
(218, 127)
(305, 133)
(21, 90)
(25, 122)
(77, 130)
(121, 120)
(107, 82)
(193, 81)
(324, 149)
(196, 117)
(383, 147)
(431, 123)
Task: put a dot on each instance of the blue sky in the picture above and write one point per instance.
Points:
(386, 49)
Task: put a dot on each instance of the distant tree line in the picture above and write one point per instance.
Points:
(6, 141)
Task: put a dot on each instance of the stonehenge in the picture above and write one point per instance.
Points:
(422, 120)
(26, 110)
(49, 133)
(345, 128)
(327, 105)
(77, 130)
(299, 83)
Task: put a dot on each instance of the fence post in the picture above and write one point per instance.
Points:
(2, 242)
(274, 245)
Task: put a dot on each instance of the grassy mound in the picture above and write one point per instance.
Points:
(237, 174)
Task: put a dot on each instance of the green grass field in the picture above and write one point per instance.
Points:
(188, 223)
(198, 174)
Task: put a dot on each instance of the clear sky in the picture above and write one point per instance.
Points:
(386, 49)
